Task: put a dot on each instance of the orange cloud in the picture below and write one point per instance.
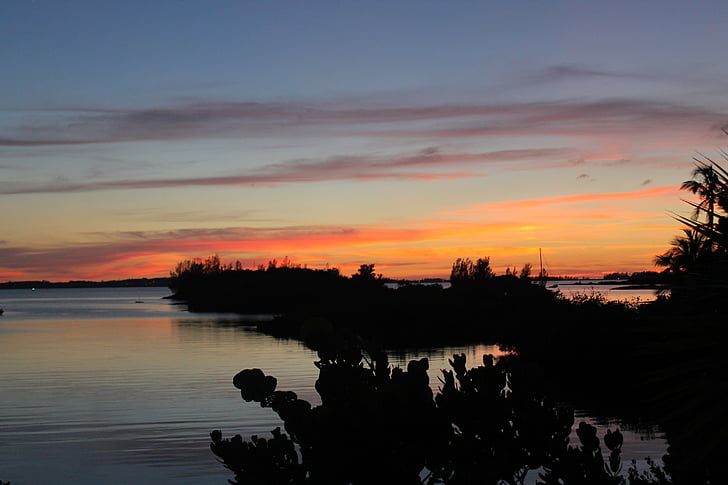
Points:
(578, 233)
(515, 205)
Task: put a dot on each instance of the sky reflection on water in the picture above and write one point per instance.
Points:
(94, 399)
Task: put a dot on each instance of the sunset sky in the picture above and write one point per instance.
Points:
(406, 134)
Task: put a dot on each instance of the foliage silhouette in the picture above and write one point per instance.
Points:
(376, 424)
(700, 259)
(210, 285)
(464, 271)
(366, 272)
(690, 252)
(688, 334)
(525, 273)
(709, 186)
(412, 314)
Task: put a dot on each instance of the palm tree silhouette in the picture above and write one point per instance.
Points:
(686, 253)
(709, 185)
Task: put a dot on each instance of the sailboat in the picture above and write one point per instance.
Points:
(542, 274)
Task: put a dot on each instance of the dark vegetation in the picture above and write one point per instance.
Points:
(489, 424)
(411, 315)
(127, 283)
(698, 259)
(661, 362)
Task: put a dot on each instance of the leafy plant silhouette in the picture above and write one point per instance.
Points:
(377, 424)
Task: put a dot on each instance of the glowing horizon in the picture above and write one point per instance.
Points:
(414, 250)
(371, 140)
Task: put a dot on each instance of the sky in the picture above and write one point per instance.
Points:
(134, 135)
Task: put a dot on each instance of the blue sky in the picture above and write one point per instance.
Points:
(134, 134)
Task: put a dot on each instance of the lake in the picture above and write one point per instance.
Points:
(119, 385)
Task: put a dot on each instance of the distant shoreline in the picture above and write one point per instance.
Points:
(127, 283)
(164, 282)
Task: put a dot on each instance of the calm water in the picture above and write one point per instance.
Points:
(120, 386)
(610, 292)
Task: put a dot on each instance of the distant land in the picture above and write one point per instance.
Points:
(132, 282)
(642, 278)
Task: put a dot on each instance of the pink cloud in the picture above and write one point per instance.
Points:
(516, 205)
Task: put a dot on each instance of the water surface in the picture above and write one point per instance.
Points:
(611, 291)
(118, 386)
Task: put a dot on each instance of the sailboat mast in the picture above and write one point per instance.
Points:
(541, 274)
(540, 261)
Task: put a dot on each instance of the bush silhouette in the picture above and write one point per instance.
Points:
(376, 424)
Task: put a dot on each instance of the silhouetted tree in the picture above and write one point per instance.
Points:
(695, 325)
(366, 272)
(209, 285)
(709, 186)
(703, 253)
(461, 271)
(465, 271)
(482, 269)
(376, 424)
(688, 252)
(525, 271)
(366, 282)
(197, 267)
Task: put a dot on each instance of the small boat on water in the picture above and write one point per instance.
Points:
(2, 311)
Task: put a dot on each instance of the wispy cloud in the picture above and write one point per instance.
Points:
(233, 119)
(426, 165)
(599, 119)
(569, 73)
(516, 205)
